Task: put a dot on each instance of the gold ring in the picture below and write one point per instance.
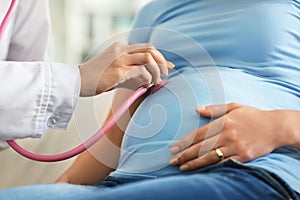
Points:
(219, 154)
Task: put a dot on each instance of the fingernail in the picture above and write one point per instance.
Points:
(147, 85)
(184, 167)
(159, 80)
(174, 149)
(170, 65)
(200, 108)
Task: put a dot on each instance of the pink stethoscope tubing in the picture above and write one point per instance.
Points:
(7, 18)
(93, 139)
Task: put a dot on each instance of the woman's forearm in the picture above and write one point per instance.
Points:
(86, 170)
(93, 165)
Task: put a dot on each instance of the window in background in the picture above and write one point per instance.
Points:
(79, 26)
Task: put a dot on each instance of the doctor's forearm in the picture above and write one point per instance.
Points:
(36, 96)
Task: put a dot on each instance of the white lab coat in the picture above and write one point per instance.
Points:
(34, 96)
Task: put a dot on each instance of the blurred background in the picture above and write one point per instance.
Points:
(77, 28)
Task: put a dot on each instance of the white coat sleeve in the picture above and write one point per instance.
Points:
(30, 31)
(36, 96)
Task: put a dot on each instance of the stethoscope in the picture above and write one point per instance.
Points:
(7, 17)
(93, 139)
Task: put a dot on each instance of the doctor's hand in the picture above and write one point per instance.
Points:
(123, 65)
(239, 132)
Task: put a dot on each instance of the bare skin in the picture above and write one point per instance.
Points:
(122, 65)
(93, 165)
(241, 132)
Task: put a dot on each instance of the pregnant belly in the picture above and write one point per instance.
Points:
(169, 114)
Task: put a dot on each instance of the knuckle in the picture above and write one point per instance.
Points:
(247, 154)
(116, 49)
(234, 136)
(228, 122)
(119, 48)
(234, 104)
(148, 58)
(231, 104)
(182, 158)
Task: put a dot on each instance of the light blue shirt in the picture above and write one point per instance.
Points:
(224, 51)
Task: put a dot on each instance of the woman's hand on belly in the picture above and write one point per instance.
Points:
(239, 132)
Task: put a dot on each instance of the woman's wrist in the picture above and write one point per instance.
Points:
(286, 123)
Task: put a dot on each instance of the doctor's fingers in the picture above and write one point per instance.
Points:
(121, 49)
(135, 76)
(147, 47)
(145, 59)
(209, 130)
(157, 56)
